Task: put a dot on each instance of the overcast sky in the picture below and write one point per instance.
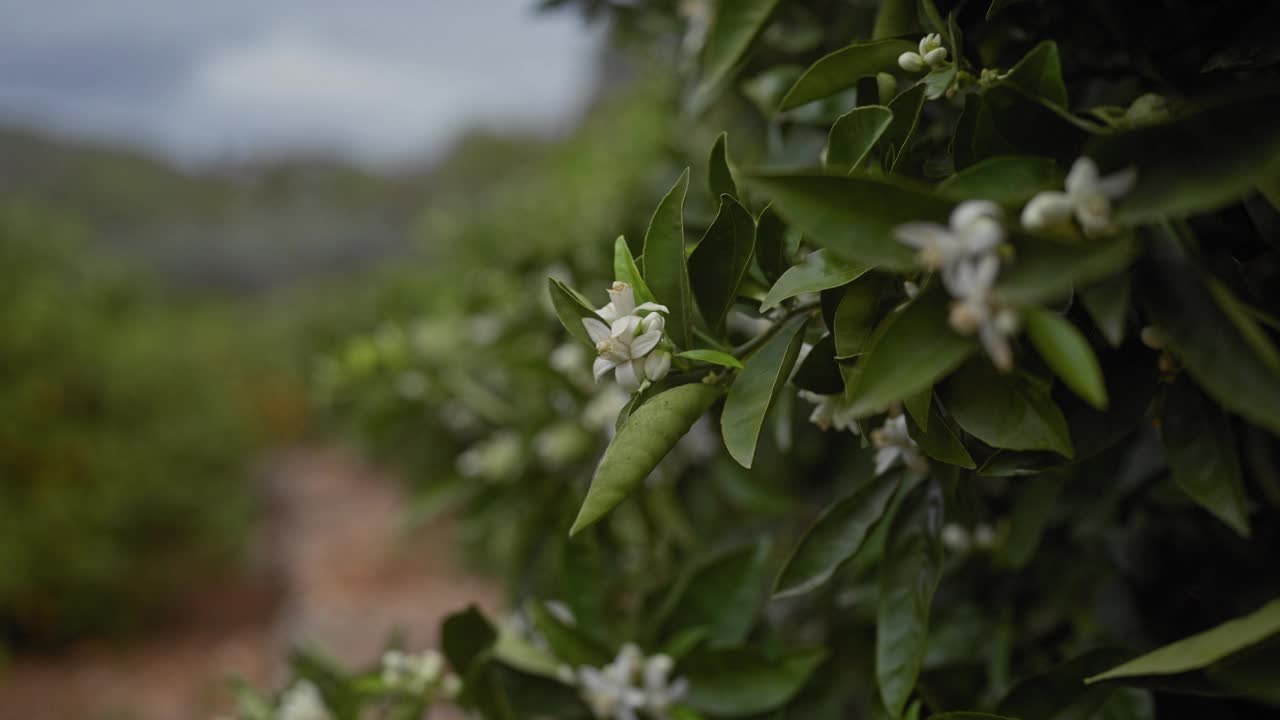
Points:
(378, 81)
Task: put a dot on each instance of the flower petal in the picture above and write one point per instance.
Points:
(644, 343)
(997, 347)
(652, 307)
(1046, 210)
(598, 331)
(657, 365)
(601, 366)
(627, 376)
(982, 235)
(625, 327)
(970, 210)
(1118, 184)
(921, 235)
(623, 298)
(1083, 177)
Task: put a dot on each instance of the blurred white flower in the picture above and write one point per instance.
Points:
(601, 413)
(660, 690)
(1088, 197)
(830, 411)
(496, 458)
(956, 538)
(567, 358)
(485, 329)
(412, 673)
(303, 701)
(894, 445)
(451, 686)
(977, 311)
(629, 684)
(984, 537)
(974, 230)
(931, 56)
(411, 384)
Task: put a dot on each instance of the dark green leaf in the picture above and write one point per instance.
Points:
(895, 17)
(855, 134)
(1060, 693)
(665, 268)
(998, 5)
(1108, 304)
(836, 536)
(854, 216)
(896, 140)
(1045, 271)
(918, 406)
(1030, 516)
(964, 715)
(571, 308)
(715, 357)
(644, 439)
(858, 312)
(940, 441)
(1039, 74)
(753, 392)
(938, 81)
(1006, 411)
(909, 574)
(819, 372)
(1245, 320)
(1202, 649)
(1202, 454)
(720, 170)
(843, 69)
(625, 269)
(1067, 352)
(771, 245)
(570, 645)
(735, 27)
(1009, 180)
(719, 263)
(915, 348)
(818, 271)
(741, 682)
(722, 594)
(464, 637)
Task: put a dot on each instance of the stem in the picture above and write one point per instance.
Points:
(746, 349)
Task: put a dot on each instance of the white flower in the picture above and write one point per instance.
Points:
(601, 413)
(894, 444)
(610, 691)
(974, 230)
(956, 538)
(451, 686)
(1088, 197)
(624, 346)
(976, 311)
(931, 55)
(984, 537)
(661, 692)
(830, 411)
(302, 701)
(622, 302)
(412, 673)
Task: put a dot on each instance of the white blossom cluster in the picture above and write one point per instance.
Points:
(630, 685)
(630, 340)
(418, 673)
(894, 445)
(1087, 198)
(931, 56)
(830, 411)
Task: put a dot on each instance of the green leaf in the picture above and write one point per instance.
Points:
(741, 682)
(1060, 693)
(719, 170)
(1223, 153)
(735, 27)
(843, 69)
(1202, 454)
(937, 82)
(625, 269)
(464, 637)
(820, 373)
(514, 651)
(965, 715)
(1067, 352)
(854, 134)
(665, 268)
(918, 406)
(854, 216)
(915, 348)
(895, 17)
(1045, 270)
(940, 441)
(569, 644)
(771, 244)
(998, 5)
(818, 271)
(1031, 512)
(962, 149)
(1039, 74)
(720, 262)
(753, 392)
(858, 312)
(642, 441)
(1008, 180)
(836, 536)
(1207, 344)
(571, 308)
(1006, 411)
(722, 594)
(1108, 304)
(1245, 320)
(895, 141)
(909, 574)
(1202, 649)
(715, 357)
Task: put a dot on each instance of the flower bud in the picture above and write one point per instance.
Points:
(963, 319)
(929, 43)
(1007, 322)
(936, 58)
(911, 62)
(886, 86)
(651, 322)
(657, 365)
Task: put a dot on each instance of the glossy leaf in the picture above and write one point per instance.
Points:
(1039, 74)
(909, 574)
(1006, 411)
(720, 262)
(896, 140)
(854, 134)
(1045, 271)
(1202, 454)
(741, 682)
(937, 82)
(853, 216)
(715, 357)
(465, 636)
(819, 372)
(939, 441)
(1009, 180)
(818, 271)
(895, 17)
(836, 536)
(1108, 304)
(665, 269)
(722, 594)
(915, 348)
(626, 270)
(843, 69)
(1067, 352)
(1202, 649)
(753, 392)
(570, 644)
(571, 308)
(720, 170)
(735, 27)
(771, 245)
(1245, 320)
(858, 312)
(642, 441)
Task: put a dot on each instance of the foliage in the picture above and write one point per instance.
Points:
(1027, 286)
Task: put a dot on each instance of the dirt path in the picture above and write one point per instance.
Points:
(336, 571)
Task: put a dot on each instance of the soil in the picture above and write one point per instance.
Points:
(334, 568)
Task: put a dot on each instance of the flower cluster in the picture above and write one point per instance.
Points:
(1088, 198)
(630, 684)
(630, 340)
(417, 674)
(931, 56)
(894, 444)
(830, 411)
(966, 253)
